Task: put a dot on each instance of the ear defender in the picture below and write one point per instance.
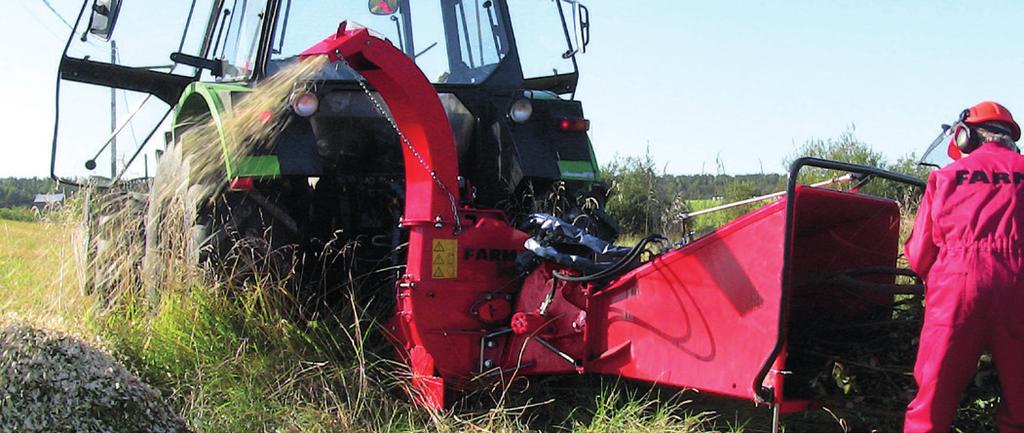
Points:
(963, 137)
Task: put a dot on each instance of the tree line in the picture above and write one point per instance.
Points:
(21, 192)
(644, 199)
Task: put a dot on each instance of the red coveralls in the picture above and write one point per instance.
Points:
(968, 244)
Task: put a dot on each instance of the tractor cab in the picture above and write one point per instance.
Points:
(505, 71)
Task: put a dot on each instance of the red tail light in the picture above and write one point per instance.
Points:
(242, 184)
(574, 125)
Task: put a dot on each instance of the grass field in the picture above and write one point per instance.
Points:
(39, 280)
(232, 364)
(22, 253)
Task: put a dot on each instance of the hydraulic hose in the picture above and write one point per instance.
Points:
(616, 268)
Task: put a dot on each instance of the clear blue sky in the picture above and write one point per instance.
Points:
(743, 83)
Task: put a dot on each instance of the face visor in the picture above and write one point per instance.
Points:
(942, 150)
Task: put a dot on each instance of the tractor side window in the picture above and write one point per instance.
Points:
(540, 37)
(240, 37)
(106, 130)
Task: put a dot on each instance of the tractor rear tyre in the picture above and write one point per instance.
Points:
(234, 237)
(113, 230)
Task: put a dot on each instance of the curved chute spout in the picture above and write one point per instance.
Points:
(431, 214)
(418, 112)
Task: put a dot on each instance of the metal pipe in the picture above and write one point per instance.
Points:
(776, 418)
(688, 215)
(465, 32)
(113, 116)
(284, 27)
(138, 149)
(124, 123)
(561, 354)
(479, 32)
(188, 24)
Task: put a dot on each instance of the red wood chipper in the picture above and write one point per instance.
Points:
(720, 314)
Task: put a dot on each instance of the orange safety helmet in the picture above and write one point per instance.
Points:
(962, 141)
(989, 111)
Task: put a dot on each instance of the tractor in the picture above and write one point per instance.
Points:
(334, 174)
(437, 132)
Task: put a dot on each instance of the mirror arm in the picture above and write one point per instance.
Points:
(216, 67)
(585, 26)
(570, 53)
(398, 31)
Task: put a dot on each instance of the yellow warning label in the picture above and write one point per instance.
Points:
(444, 261)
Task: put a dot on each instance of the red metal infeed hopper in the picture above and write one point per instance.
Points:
(715, 314)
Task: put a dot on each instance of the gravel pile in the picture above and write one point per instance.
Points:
(57, 383)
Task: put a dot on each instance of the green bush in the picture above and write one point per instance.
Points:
(18, 214)
(848, 148)
(645, 202)
(638, 200)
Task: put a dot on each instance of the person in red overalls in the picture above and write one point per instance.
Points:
(968, 244)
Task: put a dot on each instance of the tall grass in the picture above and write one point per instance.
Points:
(229, 362)
(41, 273)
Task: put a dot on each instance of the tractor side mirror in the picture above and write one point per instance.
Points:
(383, 7)
(580, 31)
(104, 16)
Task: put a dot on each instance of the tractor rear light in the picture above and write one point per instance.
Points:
(305, 103)
(574, 125)
(242, 184)
(521, 111)
(266, 117)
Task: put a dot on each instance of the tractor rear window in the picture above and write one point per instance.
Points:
(455, 42)
(241, 29)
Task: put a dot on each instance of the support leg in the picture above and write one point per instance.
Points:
(776, 418)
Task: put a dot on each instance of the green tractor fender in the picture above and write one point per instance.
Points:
(201, 101)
